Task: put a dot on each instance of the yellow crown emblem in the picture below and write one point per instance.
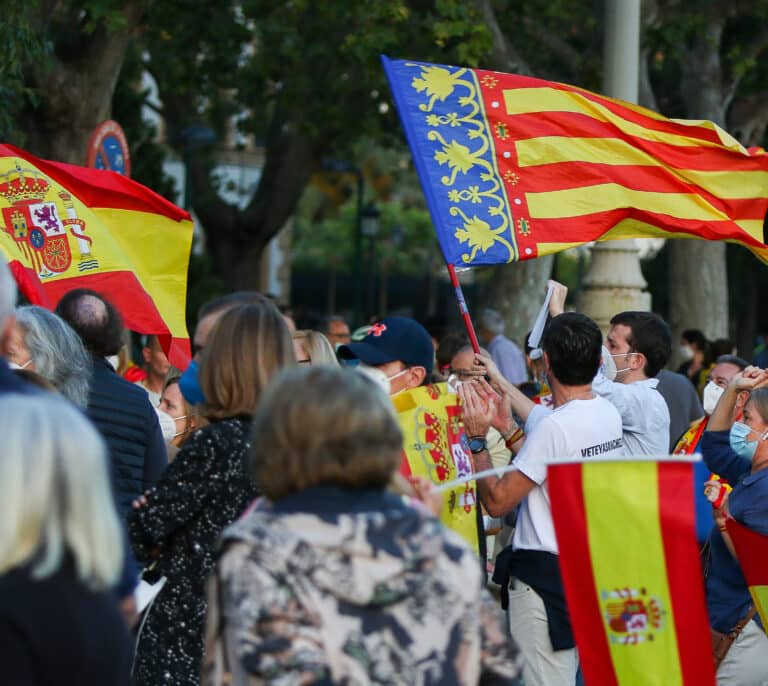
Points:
(20, 184)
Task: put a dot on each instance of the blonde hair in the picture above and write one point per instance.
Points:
(248, 344)
(55, 497)
(318, 347)
(323, 426)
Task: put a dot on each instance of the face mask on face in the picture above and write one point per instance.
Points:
(739, 442)
(13, 365)
(623, 369)
(608, 366)
(686, 353)
(379, 377)
(712, 393)
(167, 425)
(114, 360)
(179, 433)
(190, 385)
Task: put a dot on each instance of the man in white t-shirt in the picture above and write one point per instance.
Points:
(582, 426)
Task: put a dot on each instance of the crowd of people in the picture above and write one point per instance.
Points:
(244, 521)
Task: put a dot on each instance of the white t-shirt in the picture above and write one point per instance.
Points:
(644, 414)
(580, 429)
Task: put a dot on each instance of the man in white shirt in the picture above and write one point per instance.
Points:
(582, 426)
(640, 344)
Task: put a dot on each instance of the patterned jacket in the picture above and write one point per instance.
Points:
(335, 587)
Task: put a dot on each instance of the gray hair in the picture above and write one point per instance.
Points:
(492, 320)
(55, 496)
(57, 352)
(7, 291)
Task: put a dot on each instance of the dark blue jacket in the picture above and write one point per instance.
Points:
(128, 423)
(13, 383)
(728, 598)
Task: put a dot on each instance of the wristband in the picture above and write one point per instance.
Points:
(508, 434)
(513, 438)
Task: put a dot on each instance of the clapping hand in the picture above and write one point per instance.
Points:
(750, 379)
(478, 409)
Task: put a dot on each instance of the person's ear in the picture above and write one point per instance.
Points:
(418, 374)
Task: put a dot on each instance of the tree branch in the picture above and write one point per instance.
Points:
(503, 56)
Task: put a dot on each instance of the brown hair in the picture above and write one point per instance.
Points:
(323, 426)
(248, 344)
(759, 398)
(317, 346)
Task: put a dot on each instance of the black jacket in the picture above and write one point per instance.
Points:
(12, 383)
(128, 423)
(55, 631)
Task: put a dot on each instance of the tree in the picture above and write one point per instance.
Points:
(68, 87)
(710, 50)
(302, 78)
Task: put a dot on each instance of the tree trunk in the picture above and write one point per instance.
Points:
(75, 89)
(517, 291)
(698, 276)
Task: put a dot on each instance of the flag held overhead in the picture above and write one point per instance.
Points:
(64, 227)
(515, 167)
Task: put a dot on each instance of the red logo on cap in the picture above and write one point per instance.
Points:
(377, 329)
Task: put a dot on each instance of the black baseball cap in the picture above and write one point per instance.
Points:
(393, 338)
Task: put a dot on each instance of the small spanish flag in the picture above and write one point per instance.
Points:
(435, 447)
(514, 167)
(630, 567)
(752, 551)
(64, 227)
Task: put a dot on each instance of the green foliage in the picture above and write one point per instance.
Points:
(19, 45)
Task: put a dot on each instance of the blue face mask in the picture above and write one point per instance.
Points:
(189, 384)
(739, 443)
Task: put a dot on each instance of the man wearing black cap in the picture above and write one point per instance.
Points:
(399, 348)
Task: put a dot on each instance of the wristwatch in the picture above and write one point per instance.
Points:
(477, 445)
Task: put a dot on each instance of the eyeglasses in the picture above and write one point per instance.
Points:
(307, 361)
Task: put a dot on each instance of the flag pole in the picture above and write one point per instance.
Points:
(463, 307)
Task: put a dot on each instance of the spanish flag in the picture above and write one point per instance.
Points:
(752, 551)
(630, 567)
(64, 227)
(435, 447)
(514, 167)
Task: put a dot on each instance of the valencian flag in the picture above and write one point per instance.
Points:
(752, 551)
(64, 227)
(631, 572)
(435, 447)
(514, 167)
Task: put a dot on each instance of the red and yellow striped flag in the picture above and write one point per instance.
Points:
(630, 567)
(514, 167)
(752, 551)
(64, 227)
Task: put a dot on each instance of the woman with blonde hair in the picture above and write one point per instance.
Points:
(203, 490)
(335, 581)
(61, 549)
(312, 347)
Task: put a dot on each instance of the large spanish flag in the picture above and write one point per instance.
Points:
(752, 551)
(65, 227)
(435, 447)
(630, 567)
(514, 167)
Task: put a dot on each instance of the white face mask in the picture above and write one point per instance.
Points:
(608, 365)
(13, 365)
(167, 425)
(686, 353)
(379, 377)
(712, 393)
(114, 360)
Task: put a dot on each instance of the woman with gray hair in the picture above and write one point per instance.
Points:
(61, 550)
(44, 343)
(335, 580)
